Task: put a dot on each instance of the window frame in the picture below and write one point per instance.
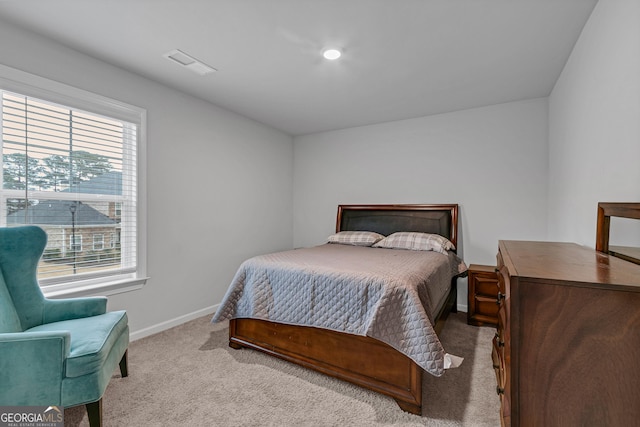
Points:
(75, 243)
(39, 87)
(100, 241)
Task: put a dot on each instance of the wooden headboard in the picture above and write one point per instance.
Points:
(439, 219)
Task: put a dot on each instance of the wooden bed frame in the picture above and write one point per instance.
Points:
(361, 360)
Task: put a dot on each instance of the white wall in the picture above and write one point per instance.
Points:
(219, 185)
(594, 123)
(491, 160)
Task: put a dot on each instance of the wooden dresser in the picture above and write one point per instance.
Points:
(567, 347)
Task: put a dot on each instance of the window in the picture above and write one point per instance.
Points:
(75, 243)
(70, 166)
(98, 242)
(115, 241)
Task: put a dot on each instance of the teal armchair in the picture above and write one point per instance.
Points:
(59, 352)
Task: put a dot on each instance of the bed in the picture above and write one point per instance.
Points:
(299, 305)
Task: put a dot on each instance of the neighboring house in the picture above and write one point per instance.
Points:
(109, 183)
(83, 230)
(81, 234)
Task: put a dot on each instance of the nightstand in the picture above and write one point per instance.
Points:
(483, 295)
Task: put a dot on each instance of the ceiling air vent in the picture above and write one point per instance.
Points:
(187, 61)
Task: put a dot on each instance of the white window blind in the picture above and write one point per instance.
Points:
(72, 172)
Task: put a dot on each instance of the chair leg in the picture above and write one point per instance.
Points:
(94, 409)
(94, 413)
(124, 371)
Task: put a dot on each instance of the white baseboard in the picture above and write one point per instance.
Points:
(463, 307)
(136, 335)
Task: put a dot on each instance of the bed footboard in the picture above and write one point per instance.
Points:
(363, 361)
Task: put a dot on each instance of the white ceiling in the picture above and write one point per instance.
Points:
(402, 58)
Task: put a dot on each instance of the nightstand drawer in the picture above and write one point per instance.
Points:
(487, 307)
(483, 295)
(486, 285)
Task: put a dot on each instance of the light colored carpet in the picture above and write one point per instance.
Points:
(188, 376)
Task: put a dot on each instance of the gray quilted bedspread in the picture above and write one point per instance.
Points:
(387, 294)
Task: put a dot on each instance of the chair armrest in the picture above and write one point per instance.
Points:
(56, 310)
(32, 367)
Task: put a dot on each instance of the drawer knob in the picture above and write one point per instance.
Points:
(500, 297)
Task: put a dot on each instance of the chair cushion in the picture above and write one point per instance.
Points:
(91, 340)
(9, 320)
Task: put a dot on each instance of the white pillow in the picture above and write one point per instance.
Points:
(355, 238)
(416, 242)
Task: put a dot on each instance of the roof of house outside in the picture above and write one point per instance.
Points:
(58, 212)
(108, 183)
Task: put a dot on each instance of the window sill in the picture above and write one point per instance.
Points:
(91, 289)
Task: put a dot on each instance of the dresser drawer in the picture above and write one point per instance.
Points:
(502, 342)
(497, 357)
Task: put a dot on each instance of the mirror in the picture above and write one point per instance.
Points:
(624, 237)
(618, 230)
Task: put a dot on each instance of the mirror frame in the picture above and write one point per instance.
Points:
(605, 212)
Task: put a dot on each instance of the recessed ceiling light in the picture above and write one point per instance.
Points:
(331, 54)
(188, 61)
